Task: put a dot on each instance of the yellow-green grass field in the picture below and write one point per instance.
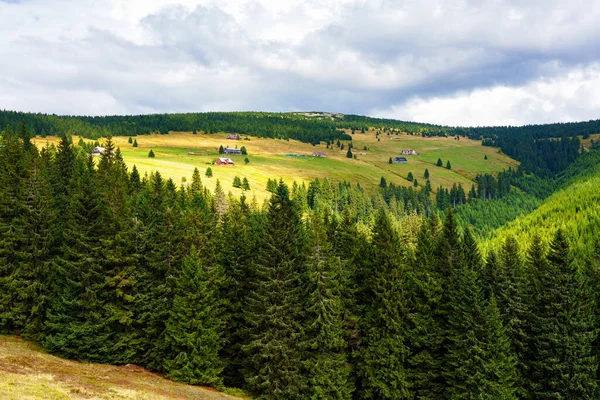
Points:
(269, 159)
(26, 372)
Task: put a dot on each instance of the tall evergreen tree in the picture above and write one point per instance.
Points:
(77, 326)
(479, 363)
(563, 365)
(327, 367)
(424, 289)
(383, 353)
(193, 326)
(274, 313)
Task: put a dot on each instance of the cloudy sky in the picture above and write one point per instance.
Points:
(473, 62)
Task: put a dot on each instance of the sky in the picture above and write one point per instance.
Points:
(469, 63)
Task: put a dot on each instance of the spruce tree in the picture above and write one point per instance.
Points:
(76, 325)
(274, 312)
(193, 326)
(426, 174)
(209, 172)
(479, 363)
(151, 154)
(439, 162)
(382, 357)
(245, 184)
(563, 363)
(196, 186)
(448, 166)
(135, 143)
(135, 183)
(327, 367)
(162, 251)
(424, 289)
(235, 257)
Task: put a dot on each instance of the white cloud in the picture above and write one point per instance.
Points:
(353, 56)
(572, 97)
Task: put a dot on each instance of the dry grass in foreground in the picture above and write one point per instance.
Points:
(26, 372)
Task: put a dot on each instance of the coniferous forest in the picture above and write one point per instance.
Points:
(323, 292)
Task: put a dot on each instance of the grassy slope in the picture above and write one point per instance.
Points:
(26, 372)
(268, 160)
(575, 208)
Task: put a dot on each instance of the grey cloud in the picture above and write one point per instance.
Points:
(371, 56)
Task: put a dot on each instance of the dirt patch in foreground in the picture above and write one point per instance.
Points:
(26, 372)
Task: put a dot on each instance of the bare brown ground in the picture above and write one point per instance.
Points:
(26, 372)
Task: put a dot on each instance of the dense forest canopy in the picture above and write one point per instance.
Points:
(325, 291)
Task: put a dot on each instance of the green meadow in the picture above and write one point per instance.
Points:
(270, 158)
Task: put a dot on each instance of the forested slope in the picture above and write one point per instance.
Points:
(326, 291)
(575, 208)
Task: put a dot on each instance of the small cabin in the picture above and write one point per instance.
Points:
(224, 161)
(234, 137)
(232, 151)
(319, 154)
(410, 152)
(400, 160)
(98, 151)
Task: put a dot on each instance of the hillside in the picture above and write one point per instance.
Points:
(292, 161)
(27, 372)
(574, 208)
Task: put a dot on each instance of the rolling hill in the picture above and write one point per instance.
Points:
(292, 161)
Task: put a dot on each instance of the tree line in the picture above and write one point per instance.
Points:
(306, 296)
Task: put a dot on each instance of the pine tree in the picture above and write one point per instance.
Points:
(76, 325)
(235, 257)
(424, 289)
(135, 183)
(193, 326)
(130, 140)
(426, 174)
(439, 162)
(478, 363)
(25, 136)
(209, 172)
(410, 177)
(221, 149)
(13, 175)
(349, 152)
(448, 166)
(563, 365)
(245, 184)
(26, 240)
(382, 183)
(390, 161)
(135, 143)
(274, 312)
(381, 364)
(237, 182)
(246, 160)
(151, 154)
(490, 275)
(328, 370)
